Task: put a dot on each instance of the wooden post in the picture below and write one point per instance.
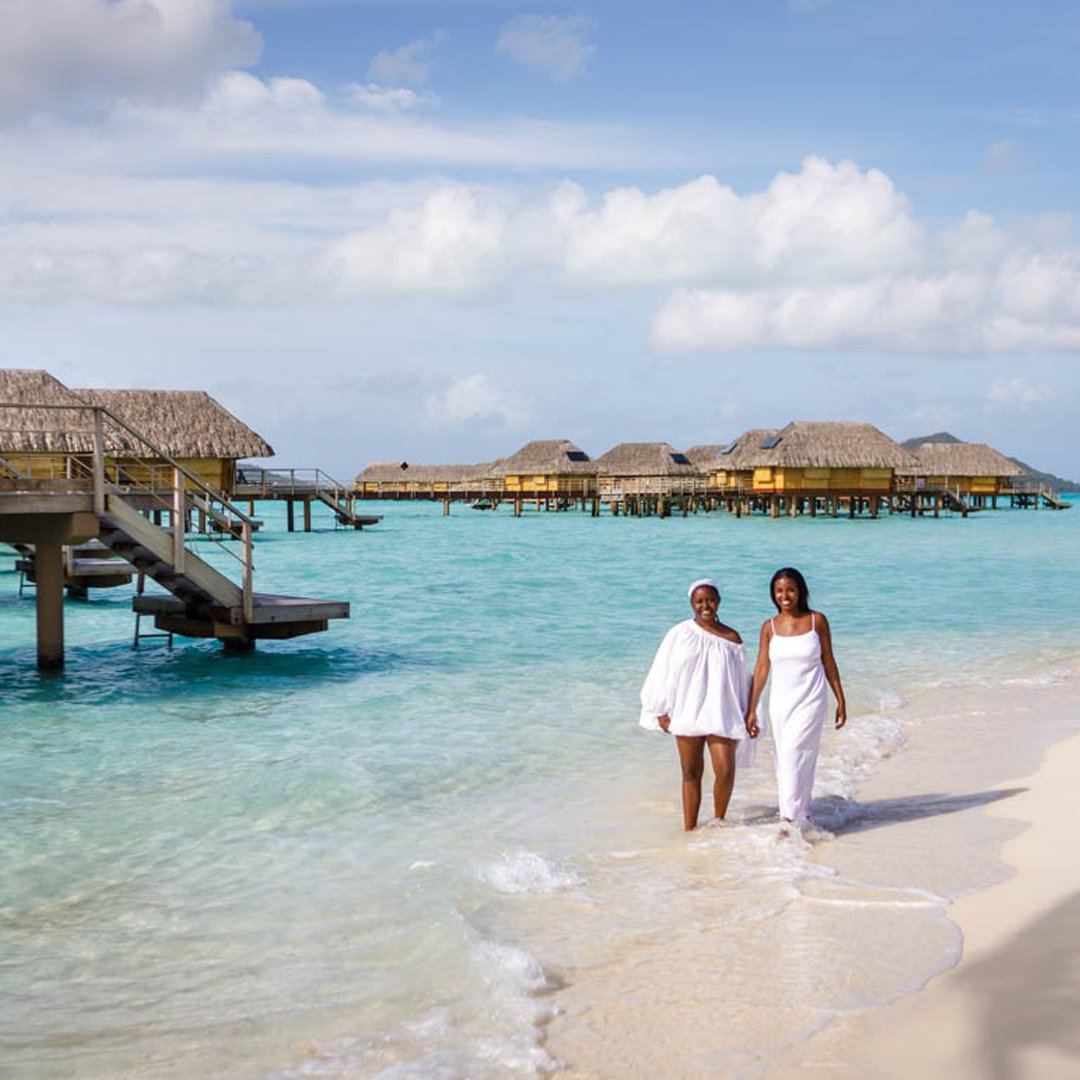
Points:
(307, 515)
(446, 506)
(49, 575)
(517, 508)
(290, 519)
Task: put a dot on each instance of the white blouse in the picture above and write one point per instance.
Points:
(700, 680)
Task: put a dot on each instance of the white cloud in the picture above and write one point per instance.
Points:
(1018, 391)
(453, 245)
(61, 53)
(473, 398)
(410, 63)
(553, 44)
(388, 98)
(830, 257)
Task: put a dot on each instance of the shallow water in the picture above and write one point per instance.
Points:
(381, 851)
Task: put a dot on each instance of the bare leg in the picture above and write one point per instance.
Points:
(692, 760)
(722, 752)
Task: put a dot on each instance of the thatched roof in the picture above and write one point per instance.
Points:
(741, 453)
(705, 455)
(960, 459)
(546, 457)
(399, 472)
(29, 430)
(183, 423)
(644, 459)
(806, 444)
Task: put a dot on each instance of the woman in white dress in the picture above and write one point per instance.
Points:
(697, 690)
(796, 645)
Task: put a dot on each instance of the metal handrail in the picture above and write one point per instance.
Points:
(182, 480)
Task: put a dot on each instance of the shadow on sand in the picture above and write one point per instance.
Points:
(1028, 994)
(840, 816)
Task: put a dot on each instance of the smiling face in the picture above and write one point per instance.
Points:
(788, 596)
(705, 601)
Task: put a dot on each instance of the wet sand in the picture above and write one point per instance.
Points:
(976, 813)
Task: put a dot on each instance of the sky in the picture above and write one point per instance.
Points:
(432, 230)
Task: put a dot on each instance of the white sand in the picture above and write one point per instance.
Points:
(1010, 1010)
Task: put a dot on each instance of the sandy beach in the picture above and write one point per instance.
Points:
(1009, 1009)
(979, 808)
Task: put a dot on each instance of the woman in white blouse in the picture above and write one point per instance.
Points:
(697, 690)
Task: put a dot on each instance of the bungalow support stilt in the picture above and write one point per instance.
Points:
(49, 572)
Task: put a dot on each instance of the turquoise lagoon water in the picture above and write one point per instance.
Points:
(382, 850)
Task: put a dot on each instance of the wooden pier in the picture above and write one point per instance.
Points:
(89, 501)
(303, 487)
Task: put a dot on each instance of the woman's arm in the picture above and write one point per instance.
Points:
(656, 692)
(832, 673)
(761, 676)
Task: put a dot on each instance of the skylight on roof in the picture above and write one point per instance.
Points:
(576, 455)
(680, 459)
(729, 449)
(769, 443)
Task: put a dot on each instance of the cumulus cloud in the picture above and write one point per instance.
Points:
(408, 64)
(453, 244)
(1018, 391)
(829, 257)
(73, 53)
(556, 45)
(470, 399)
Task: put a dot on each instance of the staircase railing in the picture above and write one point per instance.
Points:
(256, 481)
(113, 458)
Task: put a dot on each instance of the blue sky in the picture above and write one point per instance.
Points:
(435, 230)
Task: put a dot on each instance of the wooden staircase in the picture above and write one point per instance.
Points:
(96, 497)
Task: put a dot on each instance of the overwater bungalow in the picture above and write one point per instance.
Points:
(48, 425)
(547, 469)
(967, 476)
(74, 468)
(809, 466)
(403, 480)
(188, 426)
(731, 472)
(653, 469)
(705, 457)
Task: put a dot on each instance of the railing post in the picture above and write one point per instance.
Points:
(249, 599)
(99, 463)
(178, 520)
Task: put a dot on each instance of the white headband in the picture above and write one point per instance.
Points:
(699, 583)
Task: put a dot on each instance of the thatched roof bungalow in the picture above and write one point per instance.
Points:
(650, 468)
(189, 426)
(968, 468)
(706, 458)
(37, 442)
(546, 467)
(403, 479)
(733, 469)
(821, 457)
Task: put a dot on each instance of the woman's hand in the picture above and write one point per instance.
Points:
(752, 728)
(664, 722)
(841, 715)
